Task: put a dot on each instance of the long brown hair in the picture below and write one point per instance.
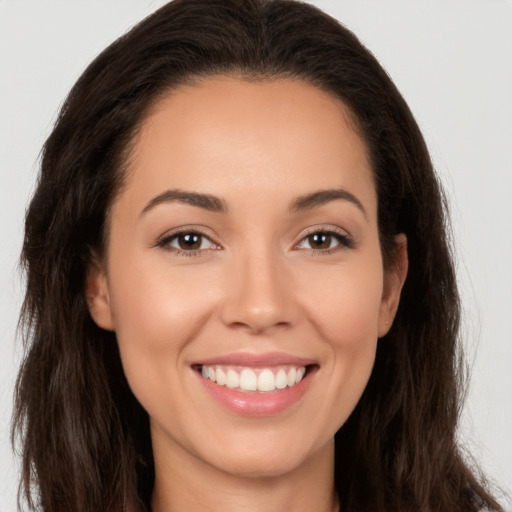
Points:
(84, 437)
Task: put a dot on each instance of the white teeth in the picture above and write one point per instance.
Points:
(257, 379)
(291, 376)
(300, 373)
(220, 377)
(232, 379)
(281, 379)
(248, 380)
(266, 381)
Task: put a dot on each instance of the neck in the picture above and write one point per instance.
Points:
(182, 482)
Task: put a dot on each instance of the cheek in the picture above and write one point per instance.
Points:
(156, 314)
(345, 305)
(344, 309)
(154, 304)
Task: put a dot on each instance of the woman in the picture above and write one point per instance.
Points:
(236, 253)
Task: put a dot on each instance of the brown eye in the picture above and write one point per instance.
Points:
(189, 241)
(325, 241)
(320, 240)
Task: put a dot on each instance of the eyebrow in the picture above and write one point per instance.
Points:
(215, 204)
(322, 197)
(205, 201)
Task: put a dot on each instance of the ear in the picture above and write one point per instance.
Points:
(98, 296)
(394, 279)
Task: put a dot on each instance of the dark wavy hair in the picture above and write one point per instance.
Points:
(84, 437)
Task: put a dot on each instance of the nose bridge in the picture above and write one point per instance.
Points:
(257, 294)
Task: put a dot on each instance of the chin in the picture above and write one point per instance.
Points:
(258, 465)
(267, 459)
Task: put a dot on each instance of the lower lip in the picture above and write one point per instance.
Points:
(253, 403)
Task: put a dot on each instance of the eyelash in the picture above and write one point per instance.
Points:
(165, 241)
(344, 242)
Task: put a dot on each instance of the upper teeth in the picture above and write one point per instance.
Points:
(249, 379)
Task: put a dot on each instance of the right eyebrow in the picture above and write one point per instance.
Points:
(322, 197)
(205, 201)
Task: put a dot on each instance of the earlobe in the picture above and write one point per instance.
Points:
(394, 280)
(98, 297)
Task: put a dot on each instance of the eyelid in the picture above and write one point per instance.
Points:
(346, 241)
(164, 240)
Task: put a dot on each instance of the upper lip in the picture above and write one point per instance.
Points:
(257, 360)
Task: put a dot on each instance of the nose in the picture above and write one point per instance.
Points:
(258, 294)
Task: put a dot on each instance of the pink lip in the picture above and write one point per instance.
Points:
(257, 360)
(257, 403)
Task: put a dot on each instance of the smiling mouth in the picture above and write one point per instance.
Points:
(249, 379)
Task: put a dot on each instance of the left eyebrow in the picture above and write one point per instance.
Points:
(322, 197)
(205, 201)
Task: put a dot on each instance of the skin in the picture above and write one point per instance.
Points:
(256, 284)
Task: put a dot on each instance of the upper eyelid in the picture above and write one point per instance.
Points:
(323, 228)
(200, 230)
(182, 230)
(348, 242)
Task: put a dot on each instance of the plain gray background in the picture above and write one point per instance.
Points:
(451, 59)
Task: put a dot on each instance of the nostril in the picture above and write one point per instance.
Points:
(258, 327)
(238, 325)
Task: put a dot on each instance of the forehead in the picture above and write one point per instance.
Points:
(224, 135)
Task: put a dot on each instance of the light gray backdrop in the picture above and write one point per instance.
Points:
(452, 60)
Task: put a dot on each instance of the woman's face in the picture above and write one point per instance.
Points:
(244, 249)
